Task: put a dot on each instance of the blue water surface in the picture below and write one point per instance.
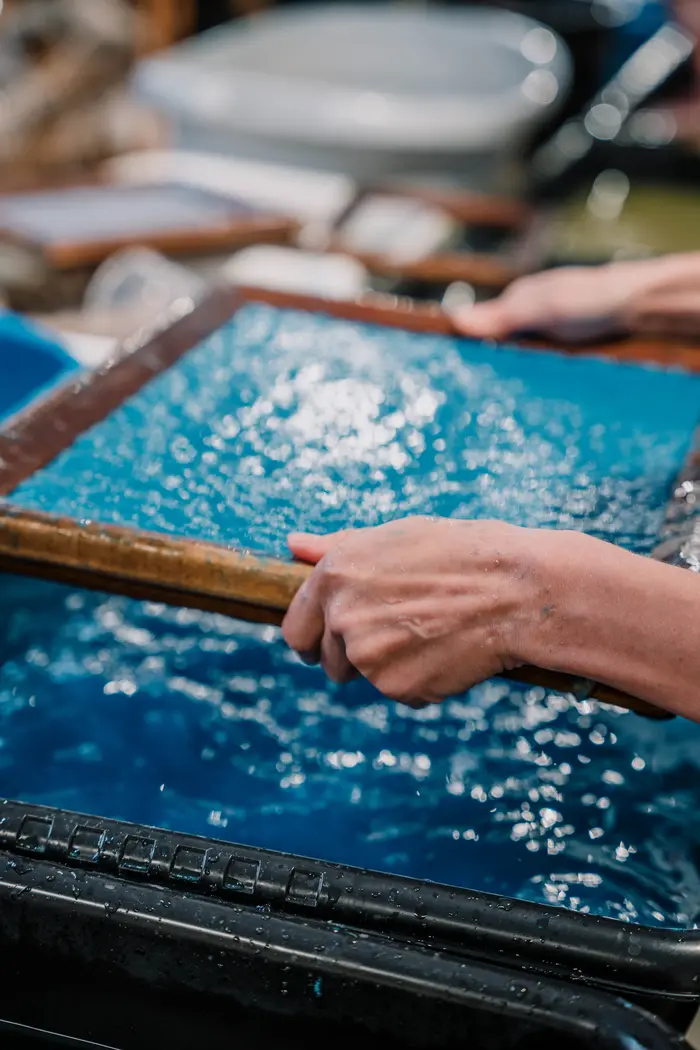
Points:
(286, 420)
(195, 722)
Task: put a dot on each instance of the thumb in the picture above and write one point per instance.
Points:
(483, 321)
(309, 548)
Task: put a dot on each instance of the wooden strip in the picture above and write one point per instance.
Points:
(198, 575)
(390, 311)
(470, 208)
(235, 229)
(128, 588)
(478, 268)
(225, 236)
(482, 269)
(191, 568)
(38, 435)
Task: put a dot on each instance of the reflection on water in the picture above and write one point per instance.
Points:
(195, 722)
(282, 420)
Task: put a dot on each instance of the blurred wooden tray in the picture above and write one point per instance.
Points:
(484, 269)
(215, 223)
(52, 239)
(182, 571)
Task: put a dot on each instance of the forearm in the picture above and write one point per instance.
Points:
(620, 619)
(667, 302)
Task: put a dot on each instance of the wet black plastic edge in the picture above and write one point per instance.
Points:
(621, 957)
(284, 963)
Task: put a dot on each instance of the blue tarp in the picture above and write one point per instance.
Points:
(31, 362)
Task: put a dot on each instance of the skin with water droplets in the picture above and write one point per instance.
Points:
(187, 720)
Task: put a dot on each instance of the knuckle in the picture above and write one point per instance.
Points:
(524, 286)
(366, 653)
(337, 619)
(356, 657)
(332, 570)
(393, 686)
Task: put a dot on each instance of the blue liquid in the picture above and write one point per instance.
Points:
(30, 363)
(191, 721)
(283, 420)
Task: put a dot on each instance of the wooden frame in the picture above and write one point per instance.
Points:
(483, 269)
(237, 231)
(201, 574)
(53, 275)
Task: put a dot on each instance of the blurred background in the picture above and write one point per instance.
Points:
(424, 149)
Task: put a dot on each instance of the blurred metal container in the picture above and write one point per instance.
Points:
(370, 91)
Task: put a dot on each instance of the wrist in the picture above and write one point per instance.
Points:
(664, 298)
(662, 271)
(565, 578)
(541, 578)
(617, 618)
(581, 595)
(590, 595)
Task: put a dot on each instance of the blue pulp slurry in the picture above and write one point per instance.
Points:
(191, 721)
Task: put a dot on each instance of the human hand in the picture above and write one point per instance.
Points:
(424, 608)
(579, 304)
(687, 12)
(683, 110)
